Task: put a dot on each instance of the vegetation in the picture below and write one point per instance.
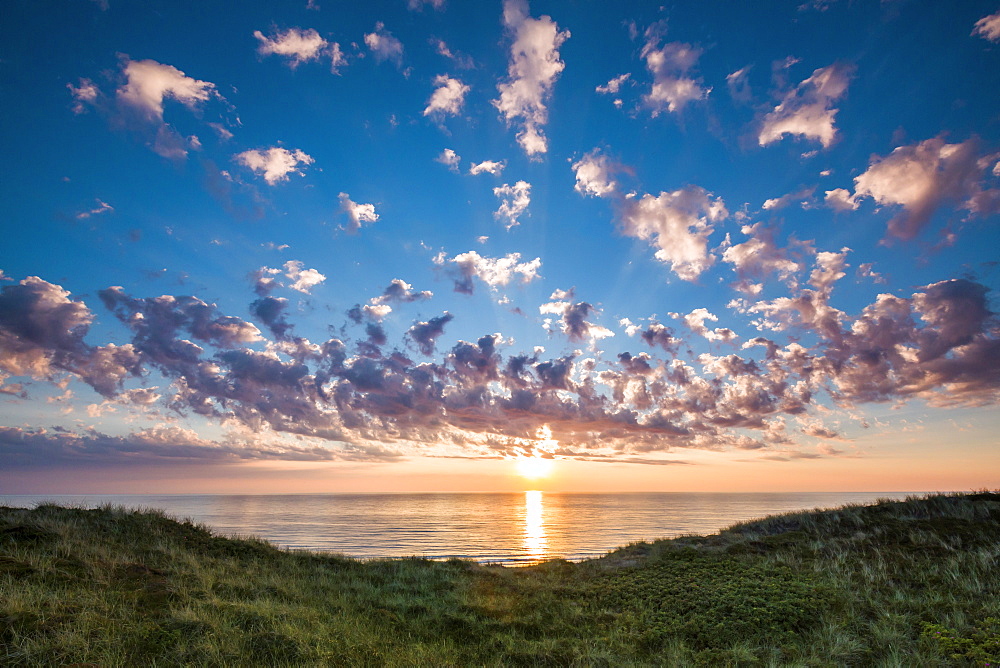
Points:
(904, 583)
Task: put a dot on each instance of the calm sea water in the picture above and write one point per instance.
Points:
(511, 529)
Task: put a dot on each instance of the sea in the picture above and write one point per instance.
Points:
(507, 529)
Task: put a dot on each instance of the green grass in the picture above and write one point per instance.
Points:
(897, 583)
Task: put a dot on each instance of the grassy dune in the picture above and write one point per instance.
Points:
(906, 583)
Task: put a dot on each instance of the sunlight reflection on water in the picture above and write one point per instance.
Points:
(534, 526)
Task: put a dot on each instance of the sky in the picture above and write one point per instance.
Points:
(432, 245)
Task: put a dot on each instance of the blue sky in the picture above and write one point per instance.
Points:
(328, 245)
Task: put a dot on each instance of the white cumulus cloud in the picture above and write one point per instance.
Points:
(533, 69)
(384, 45)
(449, 159)
(593, 175)
(807, 110)
(487, 166)
(614, 85)
(493, 271)
(678, 225)
(672, 88)
(275, 163)
(923, 176)
(841, 199)
(447, 98)
(514, 200)
(695, 320)
(148, 83)
(303, 280)
(299, 46)
(357, 214)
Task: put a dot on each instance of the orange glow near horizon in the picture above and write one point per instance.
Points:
(908, 462)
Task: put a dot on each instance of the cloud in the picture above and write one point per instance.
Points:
(157, 320)
(102, 207)
(140, 102)
(493, 271)
(487, 166)
(532, 72)
(988, 27)
(829, 269)
(42, 332)
(922, 177)
(275, 163)
(263, 281)
(461, 61)
(841, 199)
(940, 345)
(149, 83)
(303, 280)
(802, 195)
(84, 95)
(271, 311)
(424, 334)
(573, 317)
(758, 258)
(657, 335)
(867, 270)
(739, 87)
(447, 98)
(672, 89)
(695, 320)
(32, 448)
(594, 175)
(400, 292)
(357, 214)
(383, 45)
(418, 5)
(514, 201)
(678, 225)
(41, 329)
(807, 110)
(300, 46)
(614, 85)
(449, 159)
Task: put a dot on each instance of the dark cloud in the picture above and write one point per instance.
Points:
(399, 291)
(42, 332)
(424, 334)
(940, 344)
(376, 334)
(657, 335)
(271, 312)
(40, 448)
(573, 317)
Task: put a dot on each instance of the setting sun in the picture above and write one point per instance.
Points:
(534, 467)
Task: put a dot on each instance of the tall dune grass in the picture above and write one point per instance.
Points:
(907, 583)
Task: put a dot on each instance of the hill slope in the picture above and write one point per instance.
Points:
(896, 583)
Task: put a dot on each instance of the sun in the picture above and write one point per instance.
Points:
(537, 460)
(533, 467)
